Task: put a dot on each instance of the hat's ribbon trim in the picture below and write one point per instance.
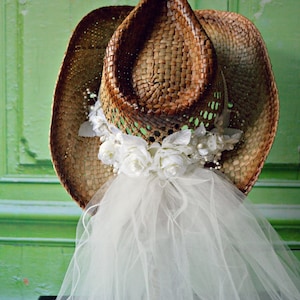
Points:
(177, 153)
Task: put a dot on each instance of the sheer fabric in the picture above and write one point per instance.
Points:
(186, 238)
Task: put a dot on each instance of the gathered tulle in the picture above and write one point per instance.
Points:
(193, 237)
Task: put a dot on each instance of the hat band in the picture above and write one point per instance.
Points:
(176, 155)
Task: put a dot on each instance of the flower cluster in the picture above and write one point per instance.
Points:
(133, 156)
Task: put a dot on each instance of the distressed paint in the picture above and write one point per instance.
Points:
(2, 89)
(36, 244)
(278, 21)
(30, 271)
(262, 5)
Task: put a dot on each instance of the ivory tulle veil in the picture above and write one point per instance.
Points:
(190, 237)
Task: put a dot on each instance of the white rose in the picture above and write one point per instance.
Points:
(135, 161)
(170, 163)
(108, 152)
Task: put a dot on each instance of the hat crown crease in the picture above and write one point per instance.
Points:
(159, 61)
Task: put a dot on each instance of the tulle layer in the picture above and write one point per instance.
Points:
(194, 237)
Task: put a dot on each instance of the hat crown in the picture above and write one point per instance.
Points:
(175, 64)
(159, 62)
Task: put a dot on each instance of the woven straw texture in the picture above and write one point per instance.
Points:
(162, 71)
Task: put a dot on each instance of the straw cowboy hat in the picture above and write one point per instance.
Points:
(160, 67)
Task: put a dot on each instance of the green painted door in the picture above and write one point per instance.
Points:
(37, 217)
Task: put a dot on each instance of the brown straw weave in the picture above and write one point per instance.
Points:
(162, 71)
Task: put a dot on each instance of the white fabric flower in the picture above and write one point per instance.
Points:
(171, 159)
(108, 152)
(98, 120)
(231, 137)
(136, 162)
(210, 147)
(134, 157)
(170, 163)
(180, 141)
